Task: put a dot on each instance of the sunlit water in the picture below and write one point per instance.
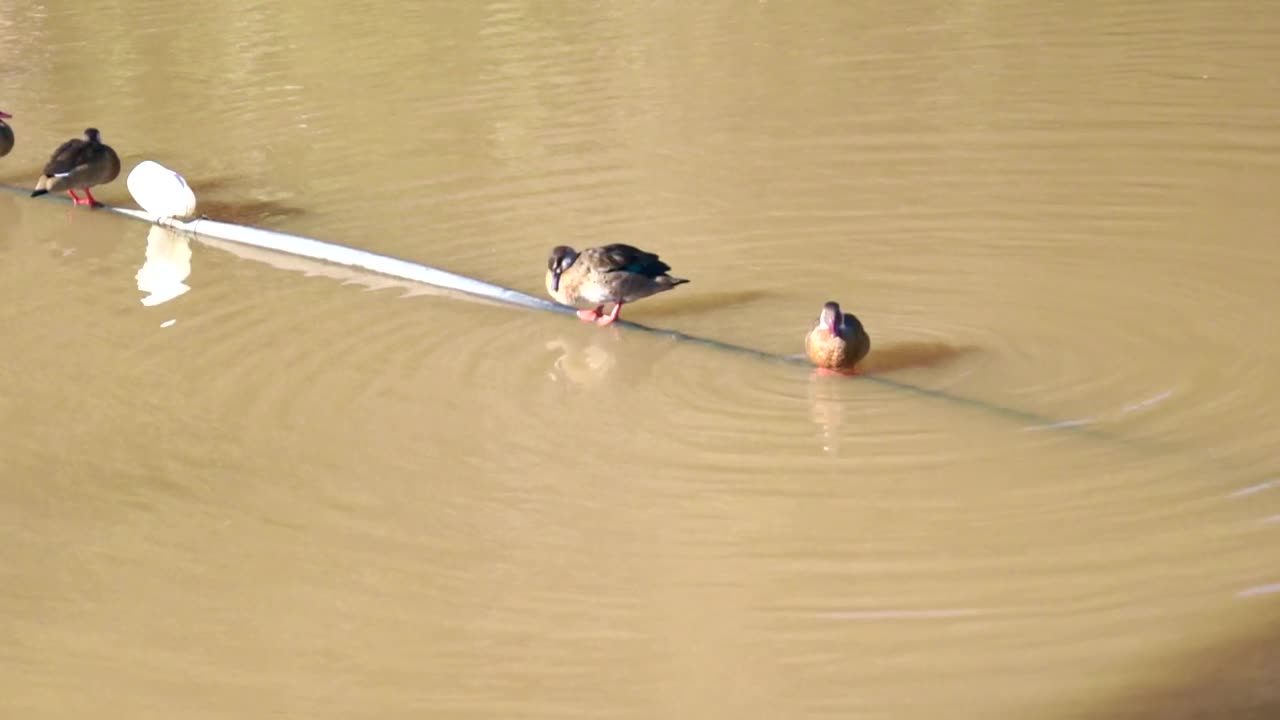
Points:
(238, 483)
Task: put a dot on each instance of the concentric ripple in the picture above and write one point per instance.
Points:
(232, 476)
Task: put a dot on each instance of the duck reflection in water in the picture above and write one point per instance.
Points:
(839, 345)
(828, 407)
(167, 266)
(584, 360)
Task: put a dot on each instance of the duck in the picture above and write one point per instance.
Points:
(837, 342)
(615, 273)
(6, 134)
(79, 164)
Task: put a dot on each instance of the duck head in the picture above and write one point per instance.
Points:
(561, 258)
(831, 318)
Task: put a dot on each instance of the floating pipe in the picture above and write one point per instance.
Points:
(403, 269)
(222, 234)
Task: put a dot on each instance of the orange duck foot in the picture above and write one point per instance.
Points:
(90, 201)
(591, 315)
(608, 319)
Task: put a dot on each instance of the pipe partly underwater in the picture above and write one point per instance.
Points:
(415, 272)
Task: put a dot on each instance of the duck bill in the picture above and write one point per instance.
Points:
(4, 115)
(555, 282)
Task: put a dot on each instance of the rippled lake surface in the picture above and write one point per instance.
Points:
(237, 483)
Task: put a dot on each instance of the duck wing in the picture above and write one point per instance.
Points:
(619, 257)
(69, 155)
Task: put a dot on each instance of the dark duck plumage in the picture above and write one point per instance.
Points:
(79, 164)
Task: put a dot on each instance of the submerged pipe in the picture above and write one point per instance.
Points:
(406, 270)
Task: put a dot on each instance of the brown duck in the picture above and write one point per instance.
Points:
(79, 164)
(838, 341)
(6, 134)
(616, 273)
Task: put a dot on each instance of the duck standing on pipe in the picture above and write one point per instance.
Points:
(614, 273)
(79, 164)
(838, 342)
(6, 134)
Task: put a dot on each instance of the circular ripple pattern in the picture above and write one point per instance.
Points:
(398, 483)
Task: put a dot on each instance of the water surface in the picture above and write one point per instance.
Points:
(238, 483)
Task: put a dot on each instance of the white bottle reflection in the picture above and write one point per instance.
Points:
(167, 265)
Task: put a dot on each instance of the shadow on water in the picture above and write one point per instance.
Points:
(240, 212)
(908, 355)
(247, 212)
(1239, 680)
(710, 301)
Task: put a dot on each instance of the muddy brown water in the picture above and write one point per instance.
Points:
(238, 484)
